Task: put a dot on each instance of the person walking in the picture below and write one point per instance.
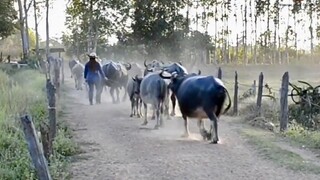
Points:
(94, 77)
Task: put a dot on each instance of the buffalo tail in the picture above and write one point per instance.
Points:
(229, 105)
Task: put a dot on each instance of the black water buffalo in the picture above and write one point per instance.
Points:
(133, 90)
(200, 97)
(117, 74)
(154, 91)
(179, 70)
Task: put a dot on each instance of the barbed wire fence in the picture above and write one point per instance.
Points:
(259, 91)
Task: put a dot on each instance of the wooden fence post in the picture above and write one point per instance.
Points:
(34, 147)
(51, 95)
(284, 102)
(56, 82)
(260, 90)
(219, 73)
(235, 97)
(62, 71)
(254, 87)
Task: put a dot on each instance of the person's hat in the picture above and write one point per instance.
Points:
(93, 54)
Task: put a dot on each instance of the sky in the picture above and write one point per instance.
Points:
(57, 20)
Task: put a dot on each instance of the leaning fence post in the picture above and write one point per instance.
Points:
(284, 102)
(219, 73)
(259, 97)
(51, 95)
(34, 147)
(235, 97)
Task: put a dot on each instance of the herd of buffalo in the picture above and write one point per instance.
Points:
(156, 84)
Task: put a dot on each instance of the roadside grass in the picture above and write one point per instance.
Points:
(264, 143)
(24, 91)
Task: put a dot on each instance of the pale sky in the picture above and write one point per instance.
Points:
(57, 20)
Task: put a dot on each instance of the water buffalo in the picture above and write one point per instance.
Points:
(133, 90)
(153, 66)
(77, 72)
(117, 74)
(54, 64)
(72, 63)
(179, 70)
(136, 69)
(154, 91)
(208, 95)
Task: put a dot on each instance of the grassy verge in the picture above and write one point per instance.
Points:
(25, 90)
(265, 144)
(298, 134)
(304, 137)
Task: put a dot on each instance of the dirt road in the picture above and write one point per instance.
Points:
(115, 147)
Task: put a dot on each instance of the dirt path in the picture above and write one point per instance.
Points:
(117, 148)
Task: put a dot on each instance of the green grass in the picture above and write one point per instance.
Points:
(304, 137)
(266, 146)
(24, 91)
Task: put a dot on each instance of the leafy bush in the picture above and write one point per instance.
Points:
(25, 91)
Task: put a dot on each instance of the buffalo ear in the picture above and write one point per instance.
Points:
(133, 79)
(199, 72)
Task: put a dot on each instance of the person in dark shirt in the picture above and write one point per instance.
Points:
(94, 76)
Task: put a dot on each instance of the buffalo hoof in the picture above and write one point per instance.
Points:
(172, 114)
(138, 116)
(156, 126)
(131, 115)
(153, 117)
(214, 142)
(144, 123)
(185, 135)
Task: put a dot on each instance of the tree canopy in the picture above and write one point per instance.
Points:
(8, 17)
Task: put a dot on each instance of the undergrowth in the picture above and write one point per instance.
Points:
(297, 131)
(24, 91)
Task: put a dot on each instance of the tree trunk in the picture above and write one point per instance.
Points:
(26, 9)
(23, 32)
(237, 37)
(215, 34)
(36, 24)
(90, 27)
(268, 37)
(311, 28)
(245, 58)
(47, 30)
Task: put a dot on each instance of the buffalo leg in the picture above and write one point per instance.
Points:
(157, 110)
(132, 106)
(153, 117)
(137, 107)
(186, 126)
(214, 127)
(173, 100)
(161, 115)
(202, 130)
(125, 94)
(112, 95)
(145, 114)
(140, 106)
(118, 95)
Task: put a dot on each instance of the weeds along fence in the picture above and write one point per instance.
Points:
(245, 93)
(41, 148)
